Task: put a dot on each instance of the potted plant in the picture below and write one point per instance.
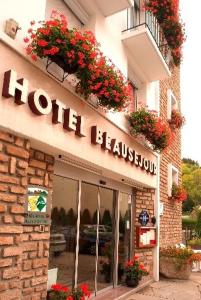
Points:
(179, 193)
(177, 120)
(61, 292)
(155, 130)
(69, 48)
(134, 270)
(176, 262)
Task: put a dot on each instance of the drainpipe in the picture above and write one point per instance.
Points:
(157, 215)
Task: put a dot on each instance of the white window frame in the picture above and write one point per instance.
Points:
(173, 177)
(172, 103)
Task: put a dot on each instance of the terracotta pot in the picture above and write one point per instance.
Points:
(132, 282)
(172, 267)
(61, 62)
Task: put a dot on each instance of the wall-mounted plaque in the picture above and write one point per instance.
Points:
(143, 218)
(37, 206)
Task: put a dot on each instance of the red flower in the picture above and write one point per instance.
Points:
(32, 23)
(28, 50)
(42, 43)
(26, 39)
(53, 23)
(51, 51)
(34, 57)
(44, 31)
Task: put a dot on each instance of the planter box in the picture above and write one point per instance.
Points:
(195, 247)
(171, 267)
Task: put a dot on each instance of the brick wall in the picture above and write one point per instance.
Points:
(14, 154)
(23, 249)
(170, 222)
(36, 243)
(144, 199)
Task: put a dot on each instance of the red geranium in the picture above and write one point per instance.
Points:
(179, 193)
(106, 81)
(167, 14)
(177, 120)
(154, 129)
(61, 292)
(134, 269)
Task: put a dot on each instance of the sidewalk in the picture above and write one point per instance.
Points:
(171, 289)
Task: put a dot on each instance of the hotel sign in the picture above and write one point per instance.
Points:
(40, 104)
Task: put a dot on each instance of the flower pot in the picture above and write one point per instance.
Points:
(63, 64)
(172, 267)
(132, 282)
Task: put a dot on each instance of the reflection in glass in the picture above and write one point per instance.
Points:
(63, 229)
(124, 232)
(106, 239)
(88, 235)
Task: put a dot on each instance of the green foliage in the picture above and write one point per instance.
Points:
(71, 217)
(198, 225)
(191, 178)
(188, 223)
(107, 220)
(195, 242)
(95, 219)
(62, 216)
(190, 161)
(86, 217)
(55, 216)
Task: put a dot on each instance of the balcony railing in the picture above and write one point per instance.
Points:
(138, 17)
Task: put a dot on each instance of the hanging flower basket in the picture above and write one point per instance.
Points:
(70, 49)
(156, 131)
(105, 81)
(177, 120)
(69, 68)
(179, 193)
(167, 14)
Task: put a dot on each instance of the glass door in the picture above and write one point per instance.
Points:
(88, 235)
(96, 237)
(106, 239)
(124, 232)
(63, 229)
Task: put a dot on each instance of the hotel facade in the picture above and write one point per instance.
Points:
(101, 193)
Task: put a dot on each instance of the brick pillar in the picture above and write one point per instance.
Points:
(144, 199)
(14, 154)
(36, 243)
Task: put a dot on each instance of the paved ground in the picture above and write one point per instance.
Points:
(171, 290)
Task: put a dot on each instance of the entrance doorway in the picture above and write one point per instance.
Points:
(96, 237)
(90, 232)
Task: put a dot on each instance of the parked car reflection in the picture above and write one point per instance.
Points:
(88, 235)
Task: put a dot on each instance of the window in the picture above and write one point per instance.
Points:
(134, 100)
(172, 178)
(171, 103)
(151, 94)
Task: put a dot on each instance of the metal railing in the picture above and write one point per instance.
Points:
(137, 17)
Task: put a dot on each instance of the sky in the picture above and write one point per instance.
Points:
(191, 80)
